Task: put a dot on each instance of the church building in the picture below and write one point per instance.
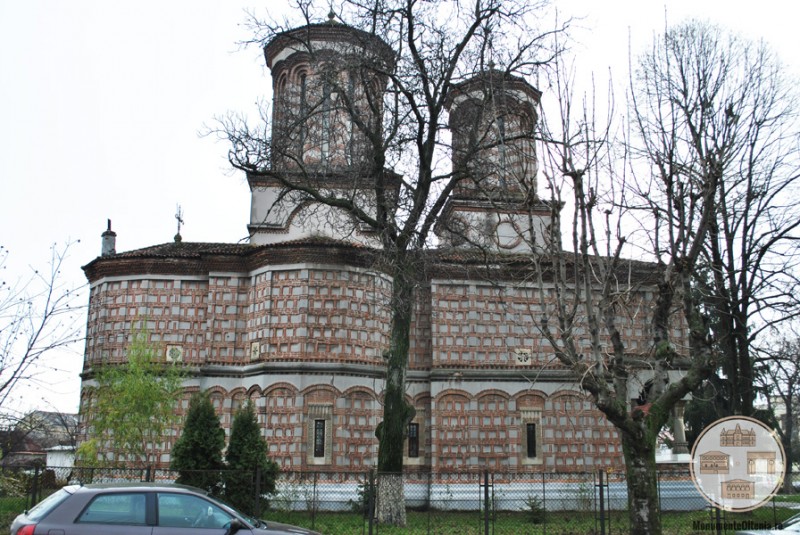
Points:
(297, 320)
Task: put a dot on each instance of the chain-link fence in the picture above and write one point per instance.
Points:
(458, 502)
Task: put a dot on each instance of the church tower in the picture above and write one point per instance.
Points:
(495, 206)
(328, 81)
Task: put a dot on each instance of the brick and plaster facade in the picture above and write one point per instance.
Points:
(297, 320)
(299, 329)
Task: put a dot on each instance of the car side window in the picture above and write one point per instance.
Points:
(115, 508)
(187, 511)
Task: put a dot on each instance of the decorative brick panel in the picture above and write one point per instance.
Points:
(484, 326)
(357, 415)
(292, 323)
(451, 425)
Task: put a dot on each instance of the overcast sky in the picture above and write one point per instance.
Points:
(101, 103)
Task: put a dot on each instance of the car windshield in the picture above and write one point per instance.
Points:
(41, 509)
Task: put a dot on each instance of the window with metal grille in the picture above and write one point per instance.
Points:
(319, 438)
(530, 432)
(413, 440)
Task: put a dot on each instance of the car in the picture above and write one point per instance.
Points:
(140, 509)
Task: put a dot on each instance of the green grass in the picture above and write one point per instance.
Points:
(10, 507)
(511, 523)
(471, 523)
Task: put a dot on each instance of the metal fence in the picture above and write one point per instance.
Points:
(458, 502)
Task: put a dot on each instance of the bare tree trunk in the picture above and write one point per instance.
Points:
(396, 411)
(642, 478)
(788, 450)
(391, 503)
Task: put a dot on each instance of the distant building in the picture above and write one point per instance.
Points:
(297, 320)
(26, 443)
(60, 456)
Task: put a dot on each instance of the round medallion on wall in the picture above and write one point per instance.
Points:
(459, 230)
(507, 235)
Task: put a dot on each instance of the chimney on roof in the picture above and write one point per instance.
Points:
(109, 241)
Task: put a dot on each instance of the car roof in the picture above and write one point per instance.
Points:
(135, 485)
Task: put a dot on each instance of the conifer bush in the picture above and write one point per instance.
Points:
(247, 453)
(197, 455)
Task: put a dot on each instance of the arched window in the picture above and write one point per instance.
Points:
(326, 108)
(303, 108)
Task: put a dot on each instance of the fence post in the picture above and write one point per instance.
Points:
(658, 490)
(371, 499)
(608, 502)
(258, 492)
(429, 501)
(314, 501)
(602, 503)
(774, 514)
(35, 486)
(485, 502)
(544, 504)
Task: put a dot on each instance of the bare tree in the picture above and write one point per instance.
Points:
(38, 316)
(43, 429)
(365, 132)
(778, 374)
(717, 104)
(697, 188)
(627, 199)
